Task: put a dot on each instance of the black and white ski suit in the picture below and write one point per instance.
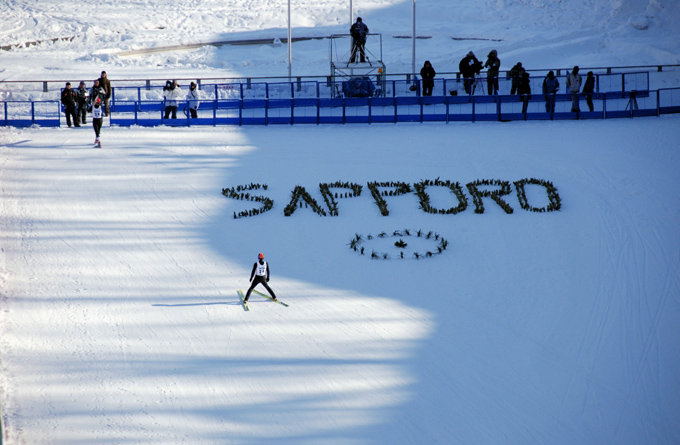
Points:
(260, 275)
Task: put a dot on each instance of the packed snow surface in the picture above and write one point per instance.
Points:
(119, 318)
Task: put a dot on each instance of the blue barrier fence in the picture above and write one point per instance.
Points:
(359, 110)
(611, 84)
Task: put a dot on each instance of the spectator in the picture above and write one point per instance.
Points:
(96, 92)
(550, 87)
(427, 74)
(468, 67)
(516, 73)
(192, 100)
(494, 64)
(105, 83)
(358, 31)
(588, 89)
(171, 93)
(68, 99)
(524, 91)
(574, 86)
(82, 96)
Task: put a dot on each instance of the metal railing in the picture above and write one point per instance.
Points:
(36, 88)
(439, 108)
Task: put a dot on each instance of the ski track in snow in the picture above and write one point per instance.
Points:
(115, 241)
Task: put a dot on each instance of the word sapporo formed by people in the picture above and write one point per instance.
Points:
(496, 191)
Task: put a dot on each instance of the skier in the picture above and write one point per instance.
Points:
(97, 116)
(260, 274)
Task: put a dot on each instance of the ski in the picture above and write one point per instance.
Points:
(243, 302)
(267, 296)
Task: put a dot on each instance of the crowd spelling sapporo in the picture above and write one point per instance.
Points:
(495, 190)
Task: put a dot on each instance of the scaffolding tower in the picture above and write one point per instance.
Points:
(342, 70)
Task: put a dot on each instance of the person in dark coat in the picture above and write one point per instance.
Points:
(427, 74)
(468, 67)
(524, 91)
(82, 96)
(588, 88)
(96, 92)
(515, 76)
(494, 65)
(359, 32)
(68, 100)
(550, 87)
(105, 83)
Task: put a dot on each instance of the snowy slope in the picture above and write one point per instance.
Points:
(538, 33)
(119, 267)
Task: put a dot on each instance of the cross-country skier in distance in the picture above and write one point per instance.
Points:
(260, 274)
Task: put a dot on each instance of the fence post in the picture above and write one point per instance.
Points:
(148, 84)
(658, 103)
(44, 86)
(299, 83)
(623, 85)
(498, 106)
(448, 109)
(474, 103)
(33, 114)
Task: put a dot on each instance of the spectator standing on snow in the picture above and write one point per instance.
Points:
(69, 100)
(172, 94)
(515, 76)
(524, 91)
(468, 67)
(105, 83)
(359, 32)
(96, 92)
(259, 275)
(494, 65)
(192, 100)
(427, 74)
(82, 96)
(588, 89)
(550, 87)
(574, 86)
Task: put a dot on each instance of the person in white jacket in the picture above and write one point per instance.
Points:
(172, 93)
(574, 86)
(192, 100)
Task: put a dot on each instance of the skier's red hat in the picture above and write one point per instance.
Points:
(260, 255)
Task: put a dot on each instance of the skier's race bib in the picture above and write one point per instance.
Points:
(261, 269)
